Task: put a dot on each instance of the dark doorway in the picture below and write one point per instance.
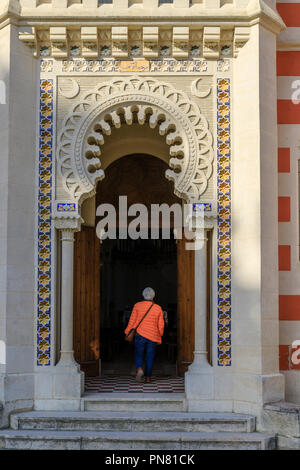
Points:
(127, 267)
(109, 278)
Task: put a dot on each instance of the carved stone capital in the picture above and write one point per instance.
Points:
(67, 235)
(66, 216)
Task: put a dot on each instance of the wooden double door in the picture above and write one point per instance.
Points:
(87, 303)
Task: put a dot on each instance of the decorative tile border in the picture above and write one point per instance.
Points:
(224, 222)
(46, 66)
(111, 65)
(223, 65)
(44, 224)
(44, 220)
(66, 207)
(202, 206)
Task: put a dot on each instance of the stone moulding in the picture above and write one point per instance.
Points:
(119, 101)
(194, 66)
(85, 12)
(89, 42)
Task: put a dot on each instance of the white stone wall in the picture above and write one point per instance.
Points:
(18, 69)
(255, 240)
(288, 45)
(253, 378)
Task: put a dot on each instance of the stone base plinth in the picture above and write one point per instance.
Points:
(209, 389)
(61, 389)
(199, 387)
(16, 394)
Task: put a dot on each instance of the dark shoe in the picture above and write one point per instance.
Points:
(148, 380)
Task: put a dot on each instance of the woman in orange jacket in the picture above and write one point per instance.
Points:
(148, 333)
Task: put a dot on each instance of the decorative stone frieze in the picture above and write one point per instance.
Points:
(89, 40)
(148, 42)
(148, 101)
(119, 41)
(58, 38)
(181, 41)
(194, 66)
(241, 36)
(198, 92)
(29, 37)
(211, 42)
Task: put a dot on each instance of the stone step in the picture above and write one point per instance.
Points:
(87, 440)
(283, 419)
(133, 421)
(133, 402)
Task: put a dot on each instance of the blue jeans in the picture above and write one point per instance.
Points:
(141, 344)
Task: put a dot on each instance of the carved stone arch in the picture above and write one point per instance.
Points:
(146, 101)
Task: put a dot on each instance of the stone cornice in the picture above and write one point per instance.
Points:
(10, 12)
(181, 26)
(260, 12)
(91, 12)
(122, 42)
(289, 40)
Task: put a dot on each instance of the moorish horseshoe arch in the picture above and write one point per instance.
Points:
(116, 102)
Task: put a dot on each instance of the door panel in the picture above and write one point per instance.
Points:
(87, 300)
(208, 296)
(185, 307)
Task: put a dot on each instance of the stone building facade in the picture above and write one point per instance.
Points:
(195, 84)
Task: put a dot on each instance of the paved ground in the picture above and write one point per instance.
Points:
(117, 384)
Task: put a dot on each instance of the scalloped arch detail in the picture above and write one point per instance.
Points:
(146, 101)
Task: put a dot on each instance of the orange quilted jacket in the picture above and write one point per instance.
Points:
(152, 327)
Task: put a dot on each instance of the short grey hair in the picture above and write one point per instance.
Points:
(148, 293)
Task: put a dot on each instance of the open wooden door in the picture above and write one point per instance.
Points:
(185, 306)
(87, 300)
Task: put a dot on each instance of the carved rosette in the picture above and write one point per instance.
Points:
(146, 100)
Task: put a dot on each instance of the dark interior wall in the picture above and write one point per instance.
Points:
(127, 270)
(139, 177)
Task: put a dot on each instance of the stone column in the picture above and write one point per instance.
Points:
(68, 380)
(199, 377)
(67, 255)
(61, 387)
(200, 353)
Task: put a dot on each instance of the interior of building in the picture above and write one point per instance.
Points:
(110, 276)
(127, 267)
